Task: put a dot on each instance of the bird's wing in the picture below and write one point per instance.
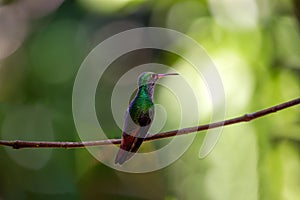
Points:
(133, 135)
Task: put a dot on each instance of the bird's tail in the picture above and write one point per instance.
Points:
(127, 151)
(122, 156)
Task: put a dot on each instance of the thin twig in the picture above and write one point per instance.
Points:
(18, 144)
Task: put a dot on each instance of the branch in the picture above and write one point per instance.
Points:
(18, 144)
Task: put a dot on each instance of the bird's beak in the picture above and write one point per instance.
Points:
(163, 75)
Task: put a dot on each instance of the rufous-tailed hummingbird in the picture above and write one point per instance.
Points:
(138, 116)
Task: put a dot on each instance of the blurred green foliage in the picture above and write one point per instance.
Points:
(256, 48)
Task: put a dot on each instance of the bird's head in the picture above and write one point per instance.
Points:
(149, 78)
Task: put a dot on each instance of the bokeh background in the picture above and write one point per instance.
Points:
(255, 46)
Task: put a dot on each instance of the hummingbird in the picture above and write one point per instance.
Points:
(138, 116)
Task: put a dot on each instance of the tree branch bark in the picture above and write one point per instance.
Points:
(18, 144)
